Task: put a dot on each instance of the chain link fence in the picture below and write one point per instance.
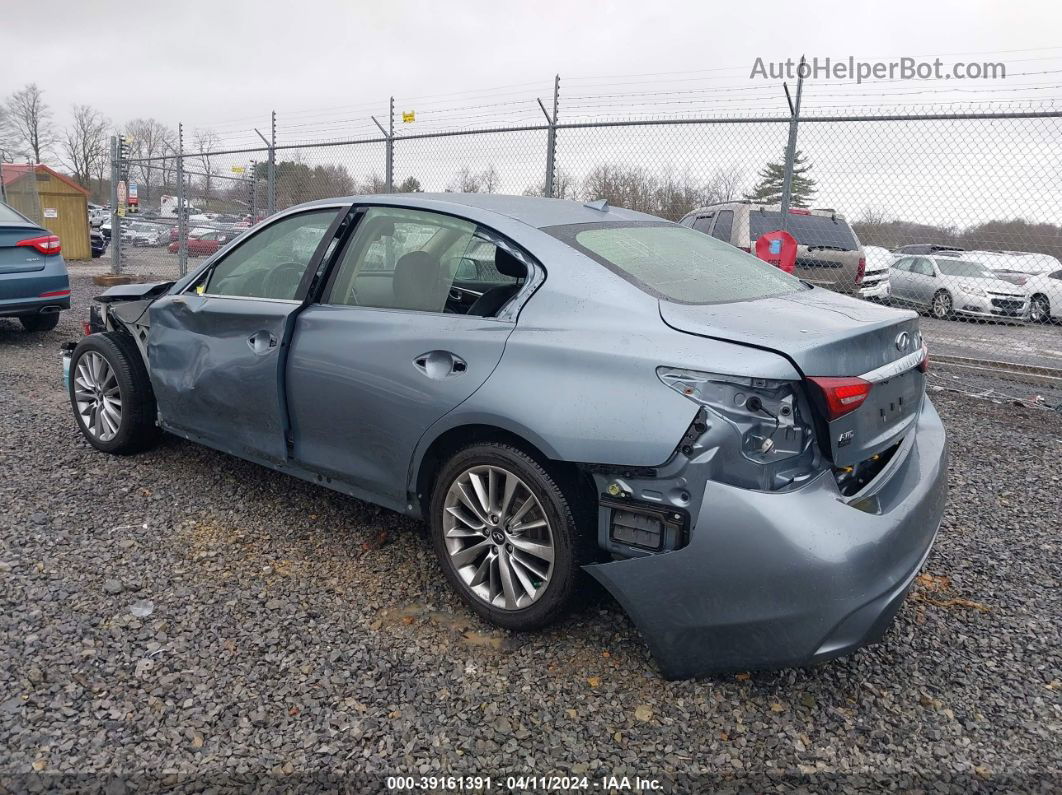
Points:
(955, 215)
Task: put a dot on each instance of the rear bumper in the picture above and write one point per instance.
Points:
(34, 307)
(876, 290)
(772, 580)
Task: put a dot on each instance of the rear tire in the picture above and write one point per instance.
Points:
(502, 580)
(110, 393)
(40, 322)
(942, 305)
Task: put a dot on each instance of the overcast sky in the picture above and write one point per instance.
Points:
(212, 62)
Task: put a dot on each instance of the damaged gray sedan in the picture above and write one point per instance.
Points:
(749, 464)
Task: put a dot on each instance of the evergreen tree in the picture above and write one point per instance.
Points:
(769, 189)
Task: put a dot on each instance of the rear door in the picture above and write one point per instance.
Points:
(923, 281)
(215, 350)
(900, 279)
(383, 356)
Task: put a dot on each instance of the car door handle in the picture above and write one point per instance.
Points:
(261, 342)
(440, 364)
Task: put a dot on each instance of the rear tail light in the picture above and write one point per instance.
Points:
(798, 211)
(861, 270)
(45, 244)
(55, 294)
(842, 395)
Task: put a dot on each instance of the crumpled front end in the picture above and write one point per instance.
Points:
(769, 579)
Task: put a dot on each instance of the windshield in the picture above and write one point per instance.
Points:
(673, 262)
(958, 267)
(809, 230)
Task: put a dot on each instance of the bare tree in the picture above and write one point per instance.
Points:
(85, 143)
(29, 123)
(726, 184)
(205, 142)
(622, 186)
(564, 186)
(468, 181)
(151, 139)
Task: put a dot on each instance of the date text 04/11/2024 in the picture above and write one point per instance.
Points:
(522, 783)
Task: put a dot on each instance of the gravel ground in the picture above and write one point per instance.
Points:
(294, 632)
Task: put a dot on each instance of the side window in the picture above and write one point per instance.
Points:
(902, 264)
(271, 263)
(923, 266)
(1056, 275)
(724, 225)
(402, 259)
(703, 223)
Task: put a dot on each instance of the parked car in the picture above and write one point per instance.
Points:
(1016, 267)
(138, 233)
(828, 251)
(617, 393)
(197, 231)
(98, 243)
(98, 215)
(925, 248)
(34, 285)
(949, 287)
(105, 228)
(875, 284)
(206, 243)
(1045, 296)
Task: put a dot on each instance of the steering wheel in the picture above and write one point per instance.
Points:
(283, 280)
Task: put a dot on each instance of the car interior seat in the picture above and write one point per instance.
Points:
(495, 298)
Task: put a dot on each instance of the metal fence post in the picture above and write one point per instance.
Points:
(182, 207)
(272, 195)
(790, 149)
(116, 223)
(551, 139)
(389, 176)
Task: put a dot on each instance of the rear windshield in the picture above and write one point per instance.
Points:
(9, 216)
(809, 230)
(958, 267)
(679, 264)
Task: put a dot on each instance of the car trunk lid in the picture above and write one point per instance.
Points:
(827, 335)
(20, 259)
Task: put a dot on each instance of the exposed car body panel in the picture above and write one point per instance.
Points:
(787, 578)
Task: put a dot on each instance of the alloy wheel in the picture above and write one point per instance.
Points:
(98, 397)
(498, 537)
(1040, 310)
(941, 305)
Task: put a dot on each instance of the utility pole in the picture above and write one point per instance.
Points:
(790, 149)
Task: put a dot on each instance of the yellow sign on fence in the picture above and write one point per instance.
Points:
(409, 116)
(238, 169)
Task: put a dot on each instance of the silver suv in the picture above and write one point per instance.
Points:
(828, 254)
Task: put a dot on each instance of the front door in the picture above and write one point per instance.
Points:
(390, 348)
(215, 349)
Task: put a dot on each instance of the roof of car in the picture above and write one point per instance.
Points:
(534, 211)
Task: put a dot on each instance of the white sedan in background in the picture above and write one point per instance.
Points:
(1039, 275)
(875, 282)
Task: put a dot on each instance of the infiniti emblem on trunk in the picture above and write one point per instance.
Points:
(903, 340)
